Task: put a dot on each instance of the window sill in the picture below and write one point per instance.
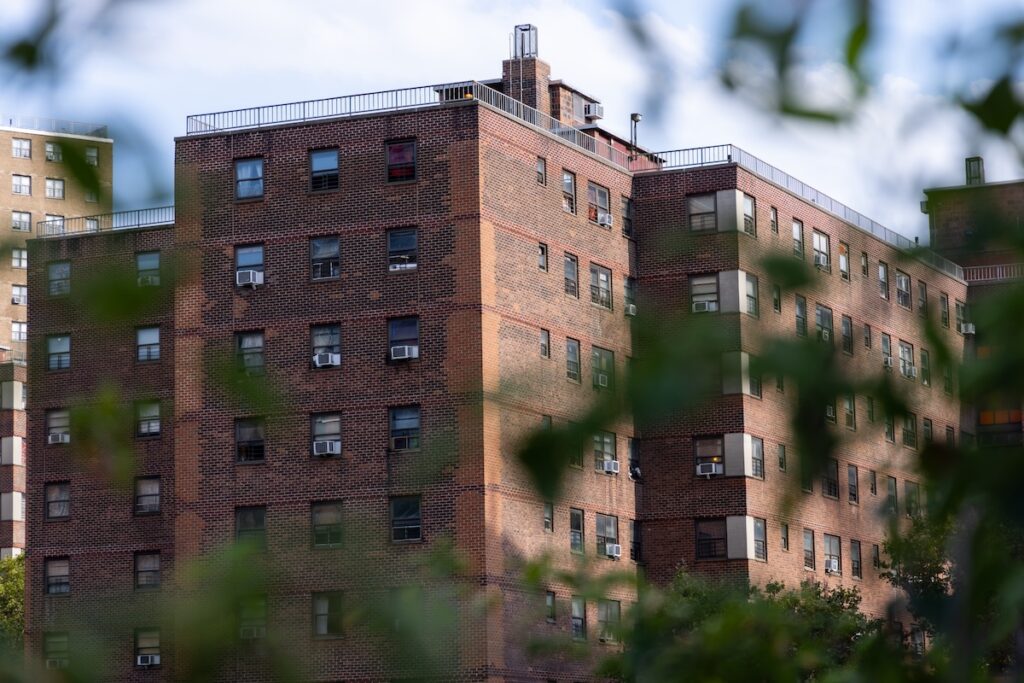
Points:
(334, 278)
(394, 183)
(409, 541)
(57, 519)
(248, 463)
(399, 271)
(248, 200)
(155, 513)
(147, 437)
(400, 450)
(333, 190)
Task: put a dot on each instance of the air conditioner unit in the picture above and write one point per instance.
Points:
(832, 565)
(821, 260)
(147, 660)
(613, 550)
(630, 309)
(153, 280)
(404, 352)
(967, 328)
(705, 306)
(326, 360)
(830, 412)
(250, 278)
(20, 299)
(825, 335)
(61, 437)
(593, 110)
(602, 379)
(326, 447)
(604, 218)
(400, 263)
(706, 469)
(886, 361)
(56, 663)
(611, 466)
(912, 372)
(252, 632)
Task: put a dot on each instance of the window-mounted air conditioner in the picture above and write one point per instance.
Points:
(911, 372)
(967, 328)
(61, 437)
(613, 550)
(611, 466)
(832, 565)
(326, 360)
(593, 110)
(252, 632)
(601, 379)
(147, 660)
(630, 309)
(326, 447)
(149, 281)
(405, 352)
(825, 335)
(886, 361)
(604, 218)
(56, 663)
(707, 469)
(249, 278)
(705, 306)
(821, 260)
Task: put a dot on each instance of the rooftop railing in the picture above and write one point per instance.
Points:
(122, 220)
(724, 154)
(45, 125)
(1000, 273)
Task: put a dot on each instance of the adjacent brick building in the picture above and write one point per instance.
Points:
(35, 185)
(402, 279)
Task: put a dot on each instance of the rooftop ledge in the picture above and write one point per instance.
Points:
(45, 125)
(450, 93)
(139, 219)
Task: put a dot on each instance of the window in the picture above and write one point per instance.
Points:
(58, 426)
(926, 368)
(58, 576)
(702, 213)
(21, 148)
(886, 351)
(784, 536)
(910, 430)
(402, 249)
(883, 280)
(853, 483)
(961, 315)
(749, 215)
(576, 530)
(58, 352)
(251, 525)
(922, 298)
(950, 437)
(876, 556)
(635, 546)
(755, 385)
(54, 188)
(944, 308)
(798, 238)
(867, 336)
(326, 428)
(808, 549)
(781, 452)
(846, 324)
(54, 152)
(549, 517)
(608, 615)
(19, 331)
(568, 191)
(404, 428)
(926, 430)
(752, 302)
(325, 339)
(19, 258)
(907, 368)
(627, 216)
(823, 321)
(147, 495)
(58, 500)
(327, 614)
(572, 359)
(822, 258)
(773, 217)
(326, 524)
(947, 378)
(21, 184)
(602, 367)
(890, 428)
(252, 617)
(579, 618)
(704, 294)
(55, 224)
(147, 343)
(757, 457)
(545, 344)
(147, 570)
(801, 316)
(629, 292)
(777, 298)
(850, 411)
(710, 539)
(147, 419)
(844, 260)
(55, 650)
(250, 442)
(542, 257)
(572, 276)
(542, 171)
(598, 205)
(404, 338)
(902, 289)
(21, 221)
(324, 258)
(892, 504)
(873, 482)
(833, 554)
(830, 479)
(248, 178)
(549, 607)
(855, 563)
(604, 450)
(600, 286)
(406, 524)
(912, 498)
(323, 170)
(607, 533)
(401, 161)
(249, 258)
(92, 156)
(249, 352)
(147, 267)
(709, 455)
(58, 276)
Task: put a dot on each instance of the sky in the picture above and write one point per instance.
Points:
(143, 68)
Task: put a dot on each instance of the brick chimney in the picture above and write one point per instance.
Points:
(523, 76)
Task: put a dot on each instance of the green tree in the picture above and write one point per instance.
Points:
(12, 602)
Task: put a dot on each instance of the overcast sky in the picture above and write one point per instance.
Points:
(162, 60)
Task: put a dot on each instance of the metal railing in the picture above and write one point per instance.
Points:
(1003, 272)
(726, 154)
(47, 125)
(397, 100)
(121, 220)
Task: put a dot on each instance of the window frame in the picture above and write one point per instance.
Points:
(571, 273)
(251, 450)
(59, 358)
(798, 238)
(146, 579)
(904, 296)
(601, 286)
(708, 293)
(704, 220)
(713, 545)
(573, 375)
(318, 262)
(63, 503)
(327, 179)
(55, 582)
(251, 524)
(822, 247)
(402, 257)
(577, 531)
(58, 283)
(397, 166)
(327, 622)
(147, 419)
(568, 192)
(146, 508)
(326, 534)
(254, 184)
(405, 438)
(54, 188)
(409, 527)
(400, 335)
(599, 200)
(147, 351)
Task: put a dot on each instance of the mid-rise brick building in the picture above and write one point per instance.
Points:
(403, 277)
(35, 185)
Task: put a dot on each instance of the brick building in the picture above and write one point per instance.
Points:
(404, 279)
(35, 185)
